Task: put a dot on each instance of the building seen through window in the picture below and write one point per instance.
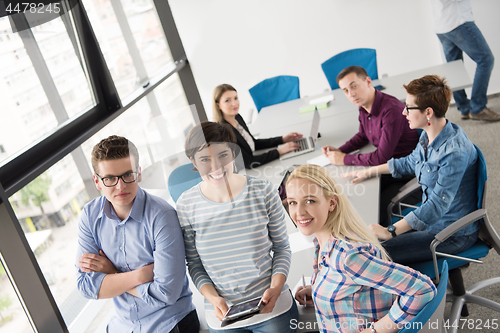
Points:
(44, 84)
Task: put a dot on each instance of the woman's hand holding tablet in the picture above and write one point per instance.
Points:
(242, 311)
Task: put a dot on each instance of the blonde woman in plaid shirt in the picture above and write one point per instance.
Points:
(354, 281)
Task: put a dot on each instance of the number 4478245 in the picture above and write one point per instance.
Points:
(33, 8)
(470, 323)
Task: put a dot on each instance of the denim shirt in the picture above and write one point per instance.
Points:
(447, 171)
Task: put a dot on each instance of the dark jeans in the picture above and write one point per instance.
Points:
(389, 187)
(469, 39)
(414, 246)
(188, 324)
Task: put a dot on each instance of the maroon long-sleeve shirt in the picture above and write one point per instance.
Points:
(386, 128)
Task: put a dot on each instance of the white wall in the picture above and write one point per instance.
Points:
(242, 42)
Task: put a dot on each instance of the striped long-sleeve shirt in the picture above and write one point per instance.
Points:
(353, 286)
(229, 244)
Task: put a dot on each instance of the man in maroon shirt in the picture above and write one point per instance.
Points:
(381, 123)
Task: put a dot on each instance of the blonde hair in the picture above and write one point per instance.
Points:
(218, 91)
(344, 221)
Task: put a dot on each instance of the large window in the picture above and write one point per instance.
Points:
(132, 41)
(42, 83)
(48, 208)
(12, 317)
(103, 67)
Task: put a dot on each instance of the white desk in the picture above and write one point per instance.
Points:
(454, 72)
(339, 122)
(336, 128)
(335, 131)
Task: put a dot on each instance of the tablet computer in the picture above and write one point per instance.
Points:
(242, 311)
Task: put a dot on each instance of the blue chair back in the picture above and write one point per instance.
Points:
(366, 58)
(479, 249)
(421, 319)
(482, 176)
(182, 179)
(275, 90)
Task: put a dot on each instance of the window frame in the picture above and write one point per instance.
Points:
(23, 167)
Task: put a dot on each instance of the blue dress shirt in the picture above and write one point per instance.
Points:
(447, 171)
(151, 233)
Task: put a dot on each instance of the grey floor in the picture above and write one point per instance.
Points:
(487, 137)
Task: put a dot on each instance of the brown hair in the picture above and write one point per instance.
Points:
(360, 72)
(207, 132)
(430, 91)
(113, 147)
(218, 91)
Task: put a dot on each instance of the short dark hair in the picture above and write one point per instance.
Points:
(207, 132)
(430, 91)
(360, 71)
(113, 147)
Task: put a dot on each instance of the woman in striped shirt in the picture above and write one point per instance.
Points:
(230, 224)
(354, 281)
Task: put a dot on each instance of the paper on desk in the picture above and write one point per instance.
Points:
(320, 160)
(321, 100)
(311, 108)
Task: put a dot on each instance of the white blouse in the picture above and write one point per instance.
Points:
(246, 136)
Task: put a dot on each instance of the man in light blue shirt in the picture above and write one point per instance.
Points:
(131, 249)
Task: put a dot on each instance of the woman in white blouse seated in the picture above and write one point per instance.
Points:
(225, 110)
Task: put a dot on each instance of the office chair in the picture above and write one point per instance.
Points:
(182, 179)
(275, 90)
(433, 312)
(366, 58)
(488, 238)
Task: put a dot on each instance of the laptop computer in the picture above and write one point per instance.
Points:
(307, 144)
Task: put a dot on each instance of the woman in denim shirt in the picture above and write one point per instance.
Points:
(444, 163)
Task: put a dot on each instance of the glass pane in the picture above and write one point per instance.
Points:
(28, 100)
(12, 315)
(64, 66)
(132, 60)
(157, 125)
(148, 34)
(48, 208)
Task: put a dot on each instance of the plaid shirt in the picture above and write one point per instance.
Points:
(353, 286)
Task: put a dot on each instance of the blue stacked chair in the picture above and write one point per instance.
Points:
(488, 238)
(275, 90)
(366, 58)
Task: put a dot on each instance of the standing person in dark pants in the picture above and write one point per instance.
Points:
(455, 28)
